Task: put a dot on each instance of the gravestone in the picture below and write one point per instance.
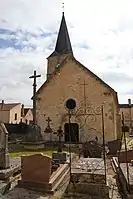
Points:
(33, 134)
(92, 149)
(4, 155)
(60, 156)
(36, 168)
(114, 146)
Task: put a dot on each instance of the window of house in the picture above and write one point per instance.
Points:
(15, 116)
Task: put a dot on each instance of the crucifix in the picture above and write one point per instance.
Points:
(34, 95)
(84, 93)
(48, 129)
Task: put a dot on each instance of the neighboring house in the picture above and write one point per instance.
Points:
(28, 116)
(127, 113)
(68, 78)
(10, 112)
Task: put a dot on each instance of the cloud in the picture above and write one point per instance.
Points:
(101, 36)
(115, 77)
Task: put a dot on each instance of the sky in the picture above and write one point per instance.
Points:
(101, 34)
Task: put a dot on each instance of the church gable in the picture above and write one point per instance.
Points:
(72, 80)
(71, 68)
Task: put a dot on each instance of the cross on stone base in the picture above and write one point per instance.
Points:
(59, 133)
(34, 77)
(48, 129)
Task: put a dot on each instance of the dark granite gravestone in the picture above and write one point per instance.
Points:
(114, 146)
(92, 149)
(33, 134)
(61, 156)
(4, 155)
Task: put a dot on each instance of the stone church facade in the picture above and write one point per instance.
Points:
(67, 79)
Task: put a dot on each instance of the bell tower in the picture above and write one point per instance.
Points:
(63, 48)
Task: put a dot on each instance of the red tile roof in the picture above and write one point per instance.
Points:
(7, 107)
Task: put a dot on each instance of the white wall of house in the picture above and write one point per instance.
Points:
(15, 114)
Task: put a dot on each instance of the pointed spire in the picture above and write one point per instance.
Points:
(63, 44)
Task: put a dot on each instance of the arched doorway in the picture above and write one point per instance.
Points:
(74, 132)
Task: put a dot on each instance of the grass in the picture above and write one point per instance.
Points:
(17, 150)
(31, 152)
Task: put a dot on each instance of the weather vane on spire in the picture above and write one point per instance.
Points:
(63, 7)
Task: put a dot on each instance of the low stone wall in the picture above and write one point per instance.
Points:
(33, 146)
(90, 189)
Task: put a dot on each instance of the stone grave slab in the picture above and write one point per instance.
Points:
(37, 173)
(14, 167)
(89, 177)
(123, 167)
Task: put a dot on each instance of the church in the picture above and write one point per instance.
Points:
(67, 78)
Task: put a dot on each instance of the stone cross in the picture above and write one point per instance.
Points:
(34, 95)
(48, 120)
(59, 133)
(4, 155)
(48, 129)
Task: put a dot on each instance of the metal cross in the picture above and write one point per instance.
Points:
(34, 95)
(84, 85)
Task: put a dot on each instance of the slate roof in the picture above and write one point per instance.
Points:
(63, 44)
(26, 110)
(8, 107)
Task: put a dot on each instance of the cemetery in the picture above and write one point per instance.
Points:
(43, 172)
(36, 166)
(51, 168)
